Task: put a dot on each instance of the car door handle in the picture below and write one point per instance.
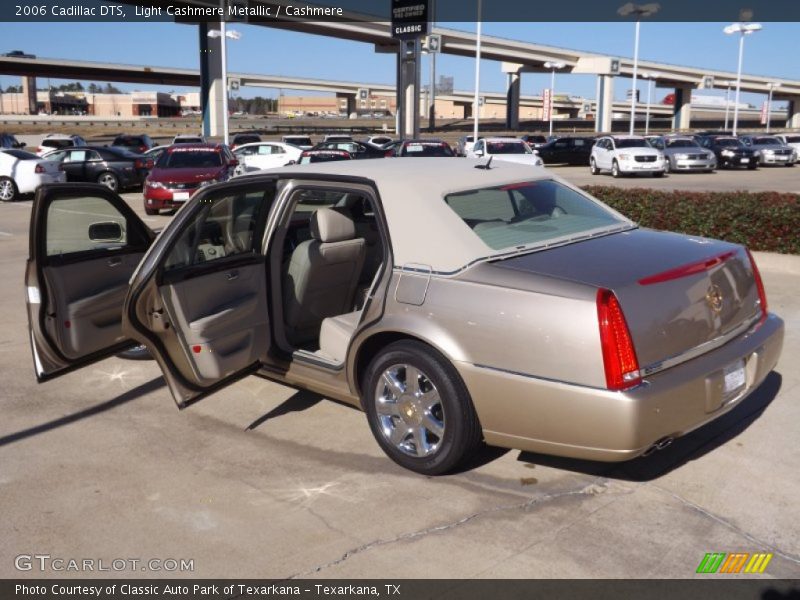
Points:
(233, 275)
(114, 262)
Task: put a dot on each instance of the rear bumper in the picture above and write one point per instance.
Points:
(550, 417)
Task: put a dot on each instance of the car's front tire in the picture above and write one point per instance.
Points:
(8, 190)
(658, 174)
(419, 409)
(615, 172)
(593, 166)
(151, 211)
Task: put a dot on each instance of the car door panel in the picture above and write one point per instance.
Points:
(204, 315)
(221, 318)
(76, 282)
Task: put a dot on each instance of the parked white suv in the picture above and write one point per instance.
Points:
(507, 149)
(57, 141)
(626, 155)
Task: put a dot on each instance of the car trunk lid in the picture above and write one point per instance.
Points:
(680, 295)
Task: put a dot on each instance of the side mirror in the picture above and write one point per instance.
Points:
(105, 231)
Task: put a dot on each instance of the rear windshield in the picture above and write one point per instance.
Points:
(246, 139)
(537, 139)
(199, 159)
(681, 144)
(298, 141)
(531, 213)
(56, 143)
(427, 149)
(631, 144)
(187, 140)
(20, 154)
(508, 148)
(322, 157)
(793, 139)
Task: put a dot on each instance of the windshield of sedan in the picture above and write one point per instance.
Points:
(626, 143)
(521, 215)
(681, 144)
(508, 148)
(197, 159)
(728, 142)
(767, 141)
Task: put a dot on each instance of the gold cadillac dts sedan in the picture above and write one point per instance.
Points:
(455, 302)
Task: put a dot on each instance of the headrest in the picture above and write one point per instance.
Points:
(328, 226)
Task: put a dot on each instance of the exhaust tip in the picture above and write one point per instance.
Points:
(659, 445)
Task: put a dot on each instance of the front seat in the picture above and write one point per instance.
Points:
(322, 275)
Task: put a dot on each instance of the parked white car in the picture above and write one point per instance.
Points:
(506, 149)
(301, 141)
(626, 155)
(792, 140)
(23, 172)
(265, 155)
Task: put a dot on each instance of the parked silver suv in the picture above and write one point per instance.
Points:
(770, 150)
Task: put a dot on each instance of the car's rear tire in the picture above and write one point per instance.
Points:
(593, 167)
(615, 169)
(109, 180)
(419, 409)
(667, 166)
(8, 190)
(151, 211)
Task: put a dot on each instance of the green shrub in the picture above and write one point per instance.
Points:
(768, 221)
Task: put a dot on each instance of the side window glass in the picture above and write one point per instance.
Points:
(76, 156)
(265, 150)
(224, 226)
(82, 224)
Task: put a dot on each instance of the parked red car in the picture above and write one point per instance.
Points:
(182, 170)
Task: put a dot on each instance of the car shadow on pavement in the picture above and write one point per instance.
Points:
(689, 447)
(299, 401)
(124, 398)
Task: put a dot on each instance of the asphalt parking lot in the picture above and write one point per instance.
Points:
(262, 481)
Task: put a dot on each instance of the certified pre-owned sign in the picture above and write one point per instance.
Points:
(409, 18)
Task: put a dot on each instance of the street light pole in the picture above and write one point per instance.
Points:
(650, 77)
(633, 85)
(742, 29)
(552, 66)
(224, 34)
(640, 10)
(475, 106)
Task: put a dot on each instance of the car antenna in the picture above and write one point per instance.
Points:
(488, 165)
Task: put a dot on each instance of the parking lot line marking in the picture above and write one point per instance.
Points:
(6, 233)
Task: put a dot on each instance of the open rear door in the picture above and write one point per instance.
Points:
(85, 243)
(199, 302)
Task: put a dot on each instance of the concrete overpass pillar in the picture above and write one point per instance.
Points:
(605, 103)
(793, 113)
(512, 101)
(351, 102)
(682, 109)
(212, 88)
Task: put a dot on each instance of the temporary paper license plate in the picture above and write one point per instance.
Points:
(734, 377)
(180, 195)
(745, 160)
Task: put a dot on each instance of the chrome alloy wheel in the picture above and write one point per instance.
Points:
(109, 180)
(410, 410)
(6, 190)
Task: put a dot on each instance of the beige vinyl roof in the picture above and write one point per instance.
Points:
(423, 229)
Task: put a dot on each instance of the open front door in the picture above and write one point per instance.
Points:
(85, 243)
(199, 302)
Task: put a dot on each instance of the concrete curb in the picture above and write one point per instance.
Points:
(772, 261)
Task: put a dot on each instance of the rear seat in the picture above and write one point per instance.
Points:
(335, 335)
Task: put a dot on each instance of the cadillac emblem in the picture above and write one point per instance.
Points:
(714, 299)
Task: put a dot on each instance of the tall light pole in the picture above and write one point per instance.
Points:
(727, 102)
(640, 11)
(226, 35)
(742, 29)
(553, 66)
(650, 78)
(771, 86)
(476, 106)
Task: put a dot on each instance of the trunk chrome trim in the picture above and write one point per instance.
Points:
(672, 361)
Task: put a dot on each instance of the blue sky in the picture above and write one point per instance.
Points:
(773, 51)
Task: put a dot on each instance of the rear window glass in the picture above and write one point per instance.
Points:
(323, 157)
(508, 148)
(527, 214)
(427, 149)
(793, 139)
(56, 143)
(198, 159)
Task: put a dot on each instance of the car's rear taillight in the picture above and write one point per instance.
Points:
(388, 154)
(619, 355)
(39, 169)
(149, 164)
(762, 295)
(138, 164)
(142, 149)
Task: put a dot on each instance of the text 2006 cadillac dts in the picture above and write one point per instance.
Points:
(454, 304)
